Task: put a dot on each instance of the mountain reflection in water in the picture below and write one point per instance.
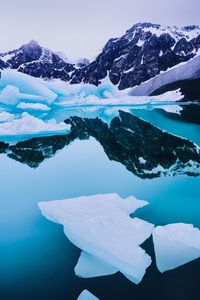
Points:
(144, 149)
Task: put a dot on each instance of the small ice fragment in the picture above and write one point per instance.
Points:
(175, 245)
(92, 266)
(86, 295)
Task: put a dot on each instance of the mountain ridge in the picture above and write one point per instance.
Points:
(143, 52)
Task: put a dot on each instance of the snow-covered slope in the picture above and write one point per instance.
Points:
(188, 70)
(37, 61)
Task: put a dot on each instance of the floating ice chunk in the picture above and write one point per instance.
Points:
(175, 245)
(86, 295)
(27, 85)
(5, 116)
(9, 95)
(92, 266)
(101, 226)
(33, 106)
(29, 125)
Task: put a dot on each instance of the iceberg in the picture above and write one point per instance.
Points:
(175, 245)
(86, 295)
(5, 116)
(26, 87)
(9, 95)
(101, 226)
(28, 125)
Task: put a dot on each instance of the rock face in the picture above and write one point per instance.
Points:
(189, 88)
(143, 149)
(141, 53)
(37, 61)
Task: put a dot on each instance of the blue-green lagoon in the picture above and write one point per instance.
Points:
(102, 154)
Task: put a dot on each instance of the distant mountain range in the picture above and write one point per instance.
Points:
(145, 51)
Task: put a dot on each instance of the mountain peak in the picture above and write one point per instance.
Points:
(31, 44)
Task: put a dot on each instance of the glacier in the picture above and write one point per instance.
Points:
(86, 295)
(96, 224)
(175, 245)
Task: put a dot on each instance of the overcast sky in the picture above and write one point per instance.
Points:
(80, 28)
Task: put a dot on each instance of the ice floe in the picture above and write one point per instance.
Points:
(86, 295)
(28, 125)
(175, 245)
(100, 225)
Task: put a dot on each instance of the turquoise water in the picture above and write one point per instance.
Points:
(37, 260)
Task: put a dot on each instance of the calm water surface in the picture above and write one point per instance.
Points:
(36, 259)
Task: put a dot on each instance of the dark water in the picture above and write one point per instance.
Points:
(99, 156)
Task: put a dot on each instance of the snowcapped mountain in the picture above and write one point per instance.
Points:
(143, 52)
(37, 61)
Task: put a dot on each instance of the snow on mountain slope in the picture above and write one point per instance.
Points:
(37, 61)
(143, 52)
(188, 70)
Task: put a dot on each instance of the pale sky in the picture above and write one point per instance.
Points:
(81, 28)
